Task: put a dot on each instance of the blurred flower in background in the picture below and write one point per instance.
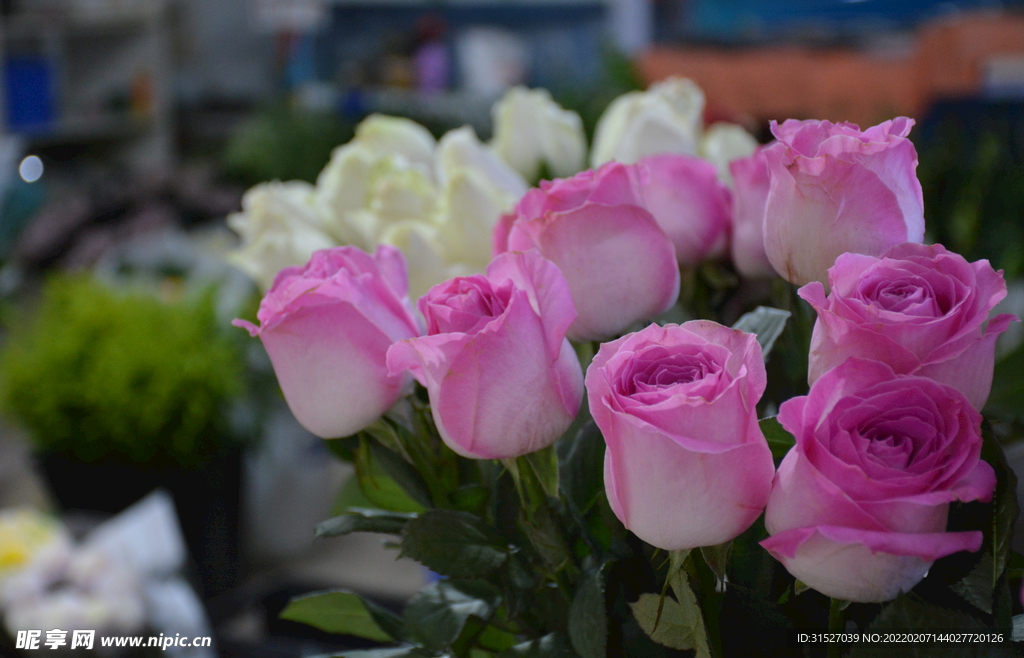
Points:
(723, 143)
(48, 582)
(534, 135)
(667, 118)
(394, 184)
(280, 225)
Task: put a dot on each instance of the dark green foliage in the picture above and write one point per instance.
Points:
(534, 562)
(972, 174)
(454, 543)
(281, 143)
(99, 374)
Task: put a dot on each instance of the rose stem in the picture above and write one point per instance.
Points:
(836, 624)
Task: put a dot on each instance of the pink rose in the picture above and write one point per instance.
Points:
(920, 309)
(689, 202)
(327, 328)
(836, 189)
(858, 508)
(620, 264)
(749, 199)
(686, 463)
(502, 378)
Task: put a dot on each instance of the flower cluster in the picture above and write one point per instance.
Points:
(46, 581)
(901, 355)
(393, 184)
(667, 118)
(438, 200)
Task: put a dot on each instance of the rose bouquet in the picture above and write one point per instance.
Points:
(582, 439)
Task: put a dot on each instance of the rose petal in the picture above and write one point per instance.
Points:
(864, 566)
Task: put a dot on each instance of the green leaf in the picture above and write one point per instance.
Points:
(357, 519)
(436, 616)
(976, 587)
(676, 561)
(588, 620)
(674, 628)
(544, 466)
(553, 645)
(1004, 504)
(768, 323)
(495, 639)
(717, 558)
(687, 600)
(385, 433)
(377, 485)
(908, 613)
(581, 467)
(454, 543)
(536, 477)
(779, 440)
(470, 498)
(350, 495)
(545, 534)
(339, 612)
(1002, 607)
(402, 473)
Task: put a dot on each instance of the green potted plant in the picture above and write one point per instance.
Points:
(122, 392)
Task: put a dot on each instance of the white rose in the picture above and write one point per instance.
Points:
(397, 191)
(468, 213)
(723, 143)
(341, 188)
(386, 135)
(394, 184)
(667, 118)
(281, 225)
(530, 129)
(477, 188)
(473, 188)
(425, 260)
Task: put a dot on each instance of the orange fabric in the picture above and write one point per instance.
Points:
(756, 84)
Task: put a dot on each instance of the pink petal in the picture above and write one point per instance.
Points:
(863, 566)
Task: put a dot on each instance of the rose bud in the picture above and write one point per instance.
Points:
(749, 197)
(619, 263)
(502, 378)
(532, 131)
(667, 118)
(859, 506)
(327, 328)
(835, 189)
(689, 202)
(920, 309)
(686, 463)
(724, 143)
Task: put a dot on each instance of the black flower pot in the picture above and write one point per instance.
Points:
(207, 500)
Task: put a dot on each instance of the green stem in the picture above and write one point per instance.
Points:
(836, 624)
(513, 470)
(425, 463)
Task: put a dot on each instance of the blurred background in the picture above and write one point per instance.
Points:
(129, 130)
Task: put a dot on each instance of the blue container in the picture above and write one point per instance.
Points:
(28, 83)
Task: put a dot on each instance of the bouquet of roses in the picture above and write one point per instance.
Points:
(588, 458)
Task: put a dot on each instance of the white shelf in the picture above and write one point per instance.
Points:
(99, 23)
(99, 59)
(72, 130)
